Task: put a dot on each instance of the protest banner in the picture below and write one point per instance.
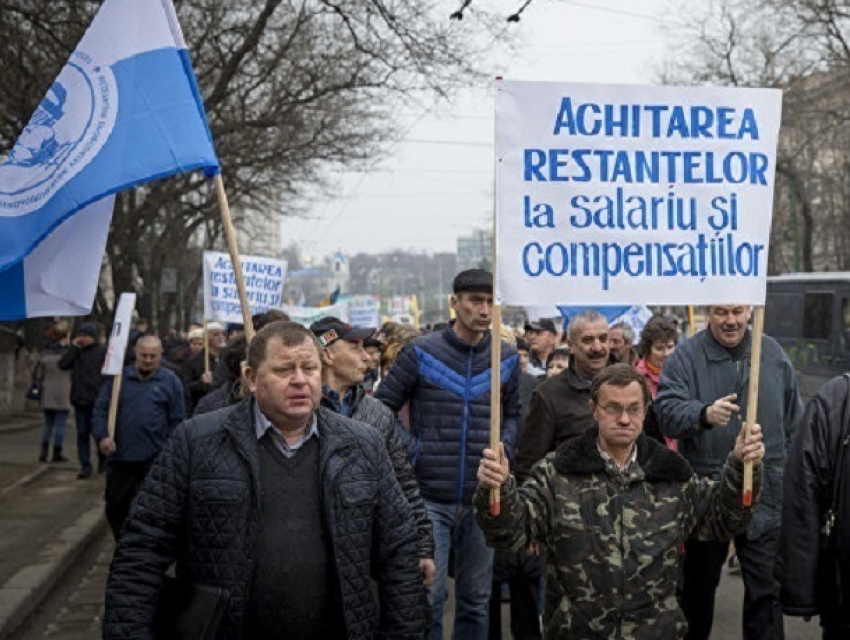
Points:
(626, 194)
(364, 311)
(113, 364)
(619, 194)
(264, 281)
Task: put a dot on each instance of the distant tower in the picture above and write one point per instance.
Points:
(339, 272)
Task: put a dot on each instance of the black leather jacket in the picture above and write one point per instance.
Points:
(199, 506)
(814, 580)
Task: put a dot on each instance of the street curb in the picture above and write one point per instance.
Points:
(21, 423)
(24, 592)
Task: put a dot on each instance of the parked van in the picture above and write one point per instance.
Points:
(809, 315)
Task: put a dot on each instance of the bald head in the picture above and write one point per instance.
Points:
(148, 354)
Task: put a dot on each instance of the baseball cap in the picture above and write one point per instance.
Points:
(330, 329)
(544, 324)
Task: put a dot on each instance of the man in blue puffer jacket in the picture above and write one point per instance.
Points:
(446, 378)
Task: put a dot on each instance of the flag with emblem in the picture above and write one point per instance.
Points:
(124, 110)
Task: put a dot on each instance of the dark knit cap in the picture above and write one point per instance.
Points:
(473, 280)
(88, 329)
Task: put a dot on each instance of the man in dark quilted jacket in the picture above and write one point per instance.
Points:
(446, 378)
(344, 366)
(277, 513)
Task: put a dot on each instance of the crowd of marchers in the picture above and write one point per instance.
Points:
(328, 481)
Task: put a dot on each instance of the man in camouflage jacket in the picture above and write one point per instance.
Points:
(613, 507)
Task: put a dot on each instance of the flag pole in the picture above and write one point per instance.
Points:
(230, 238)
(753, 398)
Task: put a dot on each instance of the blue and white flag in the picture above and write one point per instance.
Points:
(635, 316)
(609, 312)
(125, 110)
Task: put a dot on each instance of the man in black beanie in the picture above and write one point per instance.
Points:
(445, 376)
(84, 359)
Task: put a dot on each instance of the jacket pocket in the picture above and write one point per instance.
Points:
(353, 493)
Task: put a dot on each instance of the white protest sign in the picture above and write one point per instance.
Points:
(364, 311)
(309, 315)
(626, 194)
(264, 281)
(114, 362)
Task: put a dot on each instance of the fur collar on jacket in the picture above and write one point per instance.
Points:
(579, 456)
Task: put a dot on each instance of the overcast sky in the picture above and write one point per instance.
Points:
(437, 183)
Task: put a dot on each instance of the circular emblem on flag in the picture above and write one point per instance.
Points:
(67, 130)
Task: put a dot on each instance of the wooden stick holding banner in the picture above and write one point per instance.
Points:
(113, 364)
(230, 238)
(495, 358)
(691, 327)
(206, 346)
(753, 398)
(495, 395)
(113, 405)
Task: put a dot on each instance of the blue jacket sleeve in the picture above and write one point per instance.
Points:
(100, 413)
(177, 406)
(678, 413)
(511, 409)
(401, 379)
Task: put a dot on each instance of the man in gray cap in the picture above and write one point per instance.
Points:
(446, 379)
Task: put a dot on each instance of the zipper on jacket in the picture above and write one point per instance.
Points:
(464, 427)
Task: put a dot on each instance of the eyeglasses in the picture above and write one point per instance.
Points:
(615, 410)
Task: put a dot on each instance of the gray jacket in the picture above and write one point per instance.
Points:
(55, 383)
(699, 372)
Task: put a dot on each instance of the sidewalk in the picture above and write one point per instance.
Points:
(47, 519)
(20, 420)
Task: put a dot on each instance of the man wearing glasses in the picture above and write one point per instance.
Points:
(612, 507)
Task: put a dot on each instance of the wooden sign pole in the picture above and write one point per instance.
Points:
(230, 238)
(495, 396)
(113, 406)
(691, 322)
(495, 355)
(753, 398)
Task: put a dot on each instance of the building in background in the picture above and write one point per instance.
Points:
(475, 251)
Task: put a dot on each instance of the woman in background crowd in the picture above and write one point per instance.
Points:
(55, 395)
(557, 361)
(657, 341)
